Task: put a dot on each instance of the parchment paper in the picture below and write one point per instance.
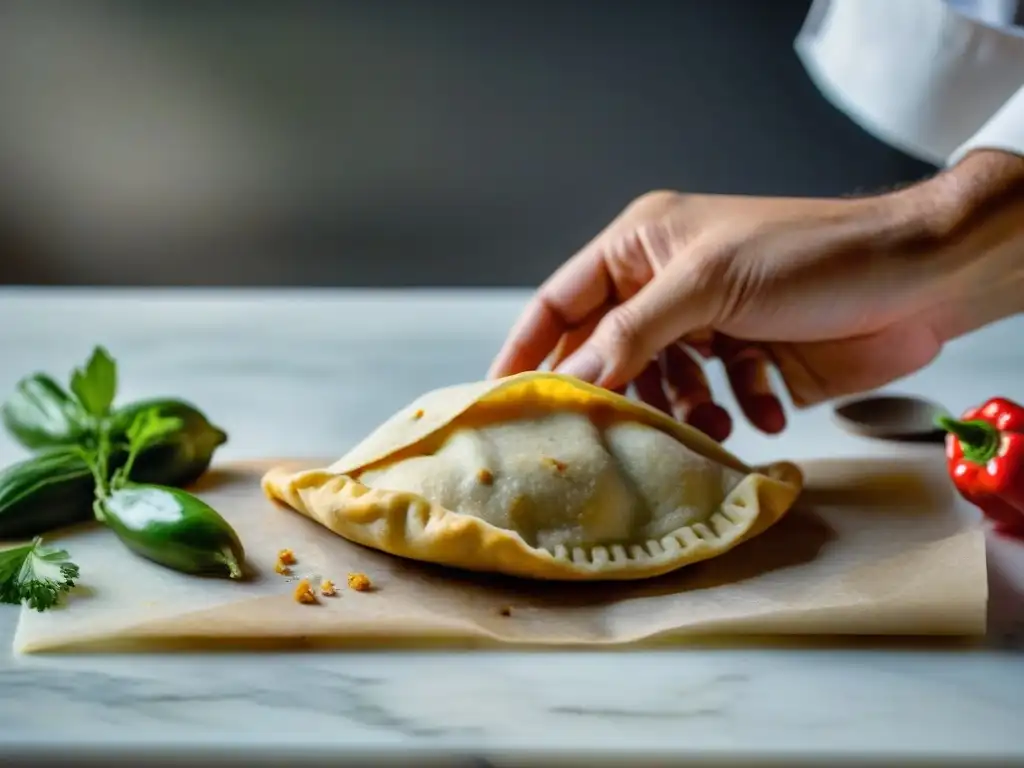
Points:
(874, 547)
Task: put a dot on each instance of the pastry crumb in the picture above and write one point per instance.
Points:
(304, 593)
(281, 568)
(327, 588)
(360, 582)
(559, 466)
(485, 476)
(505, 611)
(286, 557)
(418, 414)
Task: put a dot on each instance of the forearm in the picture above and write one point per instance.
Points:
(970, 219)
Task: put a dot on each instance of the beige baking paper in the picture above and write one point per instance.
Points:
(874, 547)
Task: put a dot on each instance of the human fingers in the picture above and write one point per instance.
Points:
(690, 395)
(573, 338)
(673, 304)
(649, 386)
(576, 290)
(585, 282)
(700, 341)
(746, 366)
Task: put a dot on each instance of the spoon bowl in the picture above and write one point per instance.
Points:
(902, 418)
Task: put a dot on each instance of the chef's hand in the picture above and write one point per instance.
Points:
(841, 295)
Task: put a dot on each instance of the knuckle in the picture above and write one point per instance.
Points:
(657, 241)
(716, 277)
(621, 334)
(654, 202)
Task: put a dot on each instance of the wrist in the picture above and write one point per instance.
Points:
(981, 184)
(968, 224)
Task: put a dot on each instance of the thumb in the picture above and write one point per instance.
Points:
(629, 336)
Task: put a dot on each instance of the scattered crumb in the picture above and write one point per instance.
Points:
(304, 593)
(360, 582)
(327, 588)
(286, 556)
(558, 465)
(418, 414)
(505, 611)
(485, 476)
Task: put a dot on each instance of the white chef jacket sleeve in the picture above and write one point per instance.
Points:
(1004, 130)
(918, 75)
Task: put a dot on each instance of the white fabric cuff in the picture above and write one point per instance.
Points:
(917, 75)
(1005, 131)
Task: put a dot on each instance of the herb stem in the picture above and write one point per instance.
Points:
(89, 457)
(103, 456)
(134, 448)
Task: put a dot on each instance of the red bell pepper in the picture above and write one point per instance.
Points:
(985, 458)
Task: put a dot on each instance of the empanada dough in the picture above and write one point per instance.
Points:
(540, 475)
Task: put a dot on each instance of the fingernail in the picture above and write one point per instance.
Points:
(770, 416)
(711, 419)
(584, 364)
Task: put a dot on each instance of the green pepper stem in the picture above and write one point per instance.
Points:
(97, 510)
(234, 569)
(978, 439)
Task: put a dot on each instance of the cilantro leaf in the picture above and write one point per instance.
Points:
(96, 385)
(35, 575)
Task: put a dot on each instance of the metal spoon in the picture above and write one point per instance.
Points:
(901, 418)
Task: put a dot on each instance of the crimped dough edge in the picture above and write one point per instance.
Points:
(410, 526)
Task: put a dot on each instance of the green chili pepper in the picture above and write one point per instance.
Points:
(47, 491)
(180, 456)
(41, 414)
(174, 529)
(55, 488)
(118, 465)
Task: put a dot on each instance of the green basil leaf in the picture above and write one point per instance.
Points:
(96, 385)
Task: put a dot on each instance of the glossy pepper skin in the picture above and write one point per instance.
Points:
(985, 458)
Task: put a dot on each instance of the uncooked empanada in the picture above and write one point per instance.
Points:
(543, 476)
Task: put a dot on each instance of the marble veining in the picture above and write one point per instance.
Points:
(261, 362)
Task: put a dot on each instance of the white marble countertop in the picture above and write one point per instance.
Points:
(258, 363)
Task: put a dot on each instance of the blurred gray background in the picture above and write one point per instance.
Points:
(389, 142)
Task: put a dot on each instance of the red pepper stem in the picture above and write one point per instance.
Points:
(978, 439)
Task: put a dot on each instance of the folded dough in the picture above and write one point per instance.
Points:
(540, 475)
